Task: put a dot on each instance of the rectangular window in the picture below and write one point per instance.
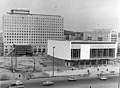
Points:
(75, 53)
(102, 53)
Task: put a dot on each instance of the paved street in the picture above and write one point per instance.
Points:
(112, 82)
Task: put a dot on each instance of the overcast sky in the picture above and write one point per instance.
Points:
(79, 15)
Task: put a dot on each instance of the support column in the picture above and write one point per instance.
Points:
(102, 53)
(106, 62)
(90, 62)
(108, 52)
(97, 53)
(84, 63)
(68, 63)
(96, 62)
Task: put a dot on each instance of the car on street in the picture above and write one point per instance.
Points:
(85, 75)
(48, 83)
(103, 77)
(16, 84)
(72, 78)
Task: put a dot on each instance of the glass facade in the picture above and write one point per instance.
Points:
(75, 53)
(101, 53)
(22, 50)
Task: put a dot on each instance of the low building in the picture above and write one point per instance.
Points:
(101, 35)
(20, 50)
(71, 35)
(1, 45)
(82, 52)
(118, 52)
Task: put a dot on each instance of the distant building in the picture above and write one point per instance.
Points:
(1, 49)
(83, 52)
(1, 37)
(1, 44)
(101, 35)
(118, 53)
(20, 27)
(71, 35)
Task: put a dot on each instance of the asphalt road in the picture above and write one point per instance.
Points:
(112, 82)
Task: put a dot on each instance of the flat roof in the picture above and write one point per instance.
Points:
(86, 42)
(93, 42)
(33, 14)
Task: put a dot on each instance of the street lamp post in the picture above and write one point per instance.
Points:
(33, 61)
(53, 61)
(118, 76)
(34, 64)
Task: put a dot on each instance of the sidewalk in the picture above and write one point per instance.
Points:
(92, 70)
(77, 72)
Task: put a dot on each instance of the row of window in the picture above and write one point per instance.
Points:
(31, 22)
(33, 47)
(31, 39)
(22, 42)
(23, 50)
(75, 53)
(32, 33)
(28, 24)
(100, 53)
(94, 53)
(33, 36)
(34, 28)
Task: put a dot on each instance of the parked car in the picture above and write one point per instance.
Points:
(72, 78)
(48, 83)
(85, 75)
(112, 72)
(17, 84)
(103, 77)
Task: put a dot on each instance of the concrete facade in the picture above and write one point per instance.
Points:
(22, 27)
(82, 50)
(101, 35)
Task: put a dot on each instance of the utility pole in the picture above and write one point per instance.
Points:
(33, 61)
(53, 61)
(12, 63)
(34, 64)
(119, 77)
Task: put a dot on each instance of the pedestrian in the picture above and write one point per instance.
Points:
(88, 71)
(19, 75)
(98, 69)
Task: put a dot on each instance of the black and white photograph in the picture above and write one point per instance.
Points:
(59, 43)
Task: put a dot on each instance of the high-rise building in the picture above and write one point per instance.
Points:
(101, 35)
(20, 27)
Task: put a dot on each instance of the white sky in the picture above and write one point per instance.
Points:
(79, 15)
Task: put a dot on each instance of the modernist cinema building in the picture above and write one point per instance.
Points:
(74, 53)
